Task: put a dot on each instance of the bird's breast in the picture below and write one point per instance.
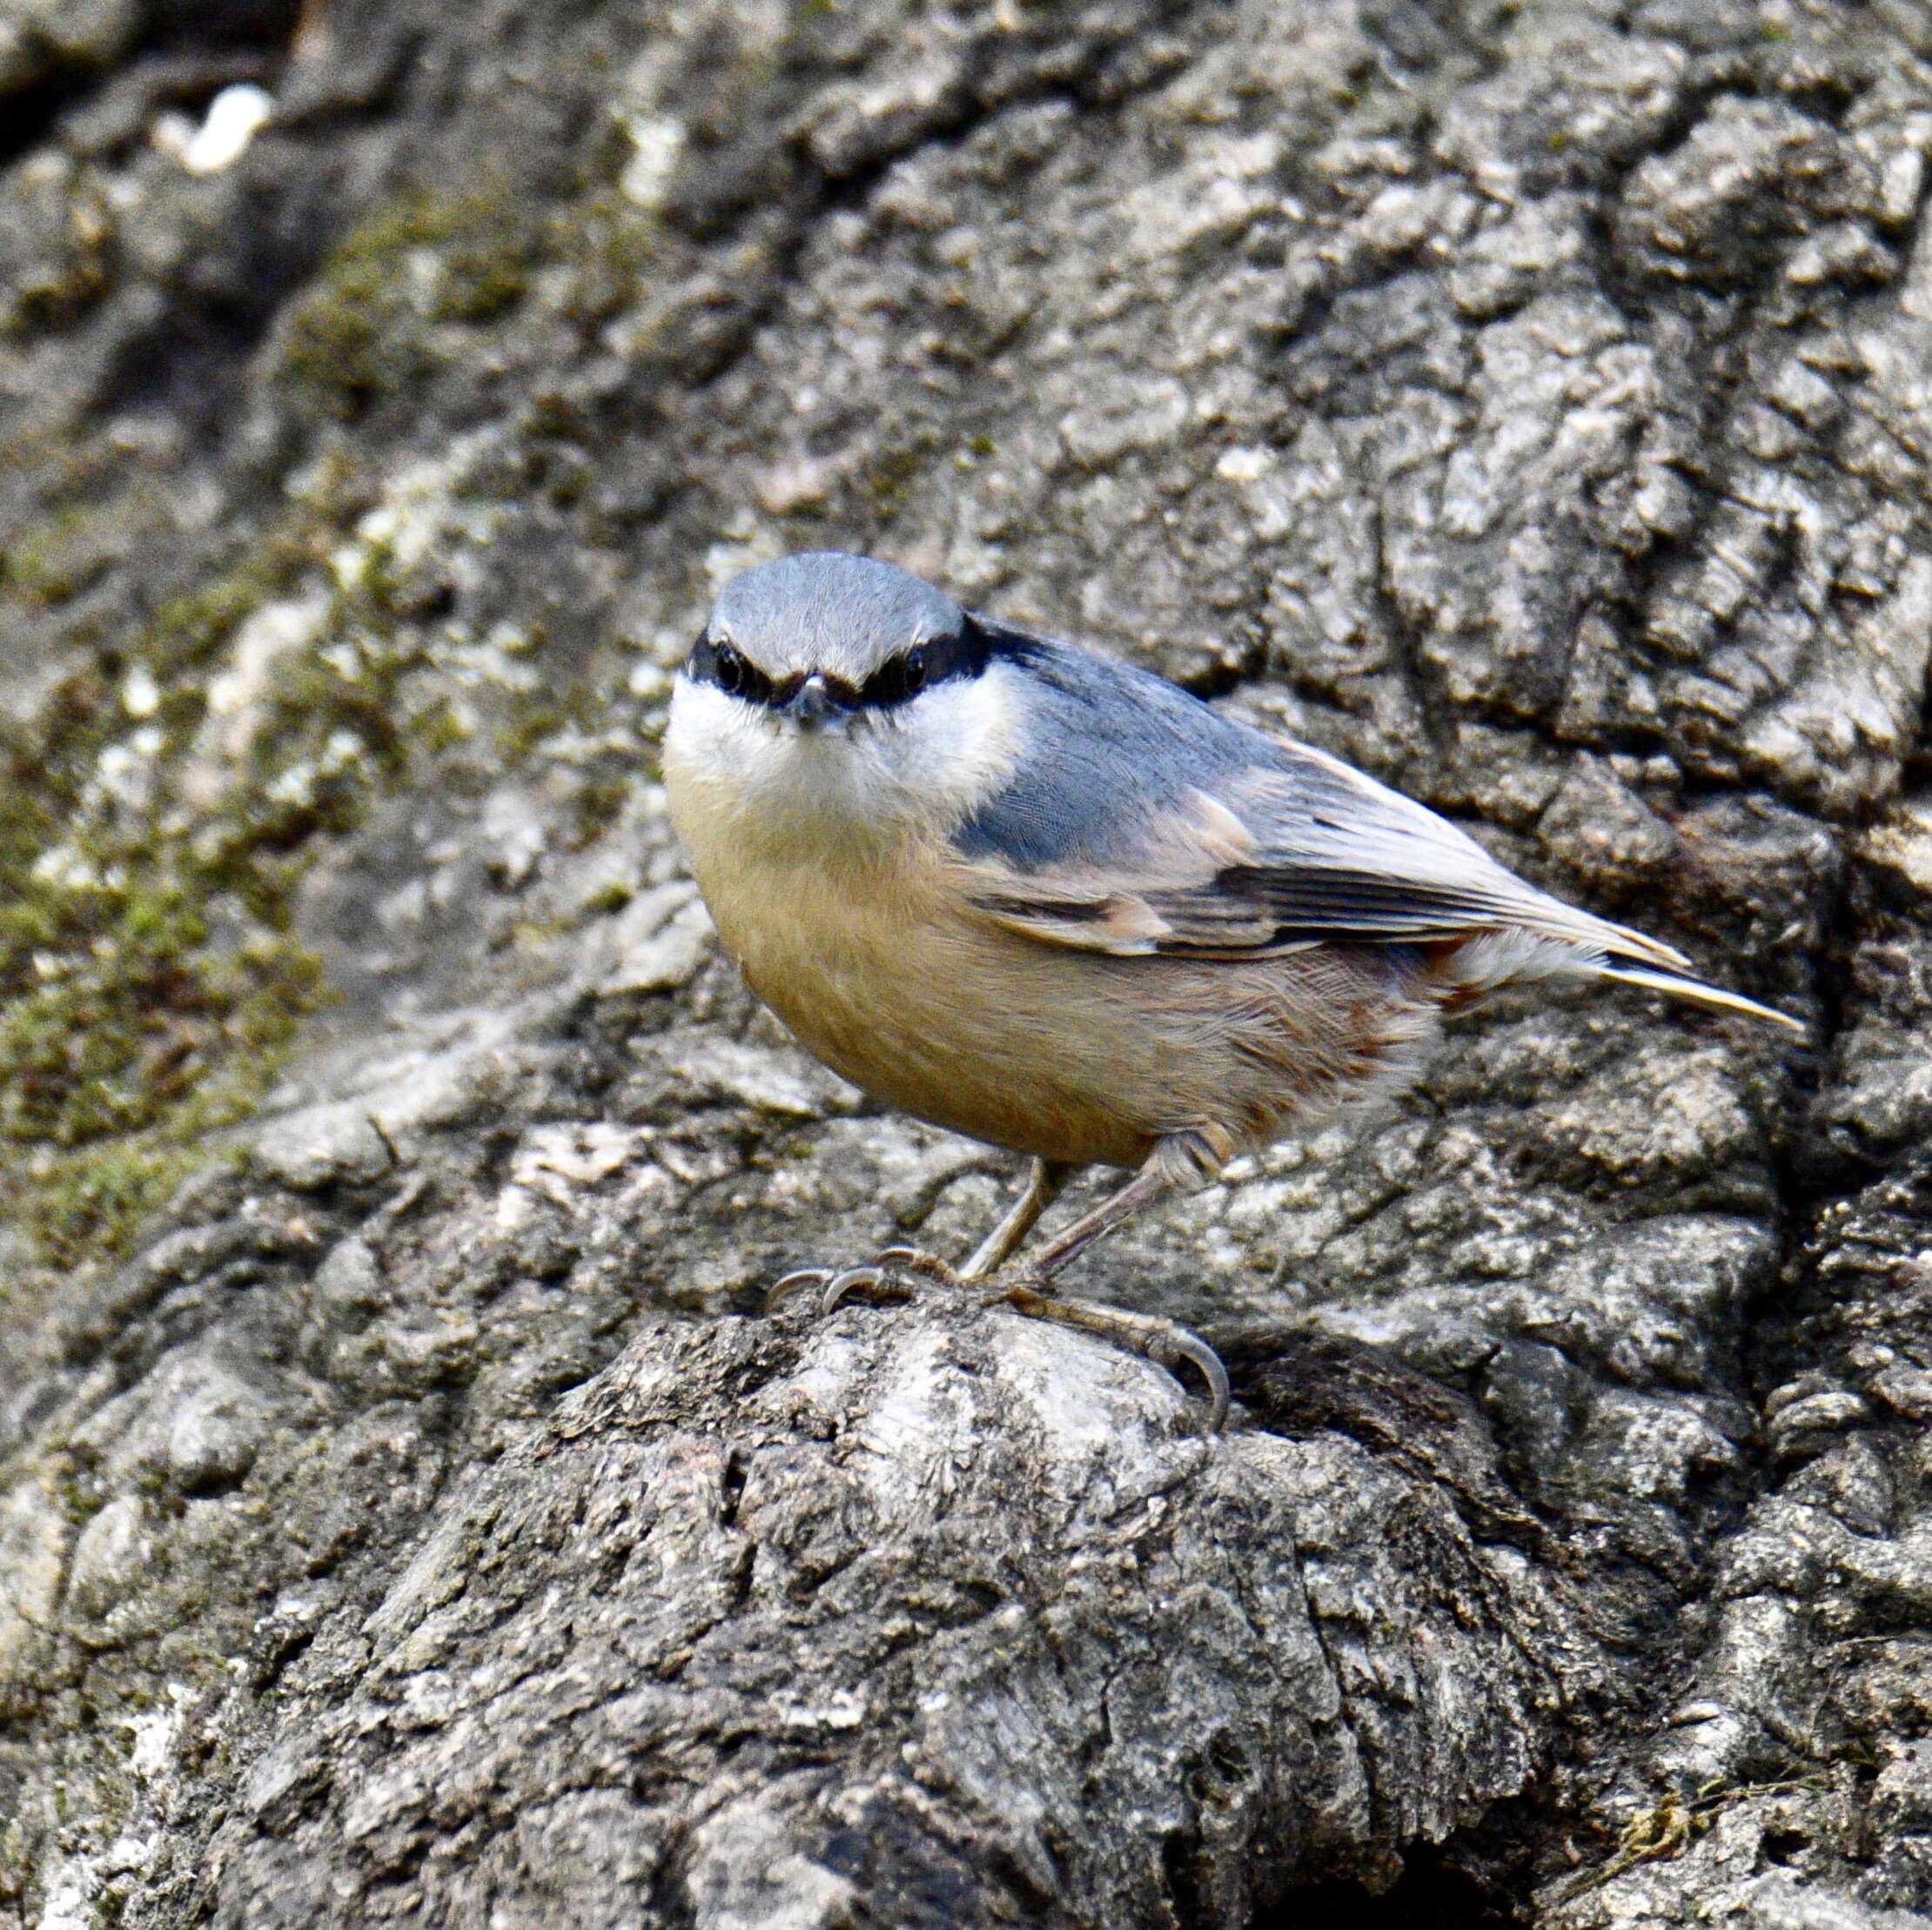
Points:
(874, 958)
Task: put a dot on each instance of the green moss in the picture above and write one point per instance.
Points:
(189, 629)
(438, 727)
(535, 715)
(610, 245)
(365, 329)
(613, 897)
(486, 263)
(537, 936)
(50, 567)
(68, 551)
(149, 986)
(128, 1029)
(888, 477)
(597, 807)
(89, 527)
(88, 1203)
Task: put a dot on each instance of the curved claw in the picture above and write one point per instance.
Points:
(1180, 1345)
(835, 1285)
(800, 1278)
(867, 1279)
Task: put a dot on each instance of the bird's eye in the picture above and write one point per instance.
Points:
(898, 679)
(729, 668)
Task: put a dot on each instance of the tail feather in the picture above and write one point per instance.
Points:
(1584, 933)
(1695, 991)
(1635, 958)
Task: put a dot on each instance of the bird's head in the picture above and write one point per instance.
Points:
(829, 690)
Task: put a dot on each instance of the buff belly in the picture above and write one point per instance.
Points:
(888, 976)
(952, 1024)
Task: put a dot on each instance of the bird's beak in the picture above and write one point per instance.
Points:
(810, 706)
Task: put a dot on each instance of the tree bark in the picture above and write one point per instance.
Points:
(406, 1511)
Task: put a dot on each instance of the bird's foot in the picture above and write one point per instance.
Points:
(893, 1276)
(1166, 1343)
(882, 1278)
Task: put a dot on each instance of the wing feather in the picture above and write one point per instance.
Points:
(1293, 849)
(1140, 820)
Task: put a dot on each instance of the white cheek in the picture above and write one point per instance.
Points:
(952, 748)
(713, 740)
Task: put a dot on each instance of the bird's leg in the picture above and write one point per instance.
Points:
(1163, 1341)
(1045, 1180)
(1146, 1187)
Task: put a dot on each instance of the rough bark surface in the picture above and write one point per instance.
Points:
(404, 1512)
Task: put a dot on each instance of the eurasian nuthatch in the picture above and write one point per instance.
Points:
(1056, 903)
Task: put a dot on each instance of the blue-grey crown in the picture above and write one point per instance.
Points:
(824, 611)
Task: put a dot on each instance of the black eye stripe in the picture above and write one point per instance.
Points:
(937, 661)
(895, 682)
(729, 669)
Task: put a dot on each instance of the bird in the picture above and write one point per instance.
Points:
(1044, 898)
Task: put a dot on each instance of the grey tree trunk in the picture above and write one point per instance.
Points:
(406, 1513)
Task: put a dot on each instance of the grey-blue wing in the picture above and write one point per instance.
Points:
(1110, 750)
(1141, 820)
